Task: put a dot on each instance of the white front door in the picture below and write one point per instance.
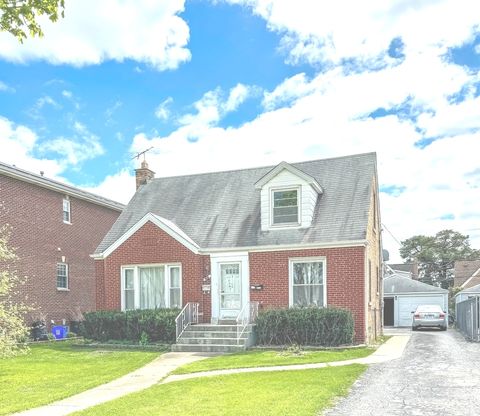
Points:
(229, 285)
(230, 290)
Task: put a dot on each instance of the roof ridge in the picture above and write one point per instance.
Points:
(264, 167)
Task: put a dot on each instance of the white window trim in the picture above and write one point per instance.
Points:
(292, 261)
(136, 282)
(299, 207)
(67, 200)
(64, 289)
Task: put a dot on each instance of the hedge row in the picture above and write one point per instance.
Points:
(305, 326)
(155, 325)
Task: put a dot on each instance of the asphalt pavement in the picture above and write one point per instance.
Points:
(437, 375)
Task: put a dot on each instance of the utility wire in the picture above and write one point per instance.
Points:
(389, 232)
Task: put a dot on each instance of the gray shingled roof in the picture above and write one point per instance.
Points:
(396, 285)
(222, 209)
(473, 289)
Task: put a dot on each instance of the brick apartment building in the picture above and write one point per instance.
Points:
(54, 229)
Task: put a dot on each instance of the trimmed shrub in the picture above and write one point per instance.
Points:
(326, 327)
(155, 325)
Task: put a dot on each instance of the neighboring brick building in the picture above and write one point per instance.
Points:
(295, 234)
(54, 228)
(466, 273)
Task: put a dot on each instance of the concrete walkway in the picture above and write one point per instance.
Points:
(391, 350)
(137, 380)
(157, 371)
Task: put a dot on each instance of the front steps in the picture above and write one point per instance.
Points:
(214, 338)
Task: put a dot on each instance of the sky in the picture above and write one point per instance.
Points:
(230, 84)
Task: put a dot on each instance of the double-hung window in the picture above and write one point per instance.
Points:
(307, 282)
(151, 286)
(66, 211)
(128, 289)
(62, 276)
(285, 207)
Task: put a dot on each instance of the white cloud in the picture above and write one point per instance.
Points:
(236, 97)
(18, 144)
(145, 31)
(162, 111)
(119, 187)
(71, 97)
(21, 146)
(452, 119)
(83, 146)
(331, 31)
(212, 107)
(110, 111)
(6, 88)
(291, 89)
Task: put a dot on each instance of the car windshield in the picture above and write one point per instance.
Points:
(429, 308)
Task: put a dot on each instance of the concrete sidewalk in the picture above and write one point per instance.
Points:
(157, 371)
(390, 350)
(137, 380)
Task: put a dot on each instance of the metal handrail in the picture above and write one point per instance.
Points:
(247, 315)
(188, 315)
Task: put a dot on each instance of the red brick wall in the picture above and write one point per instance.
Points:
(345, 279)
(38, 232)
(150, 244)
(345, 273)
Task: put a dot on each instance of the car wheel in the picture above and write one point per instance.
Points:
(414, 328)
(443, 328)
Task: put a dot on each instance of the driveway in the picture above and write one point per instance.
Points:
(438, 375)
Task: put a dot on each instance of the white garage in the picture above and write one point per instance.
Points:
(402, 295)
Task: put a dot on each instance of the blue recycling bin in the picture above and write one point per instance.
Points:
(60, 331)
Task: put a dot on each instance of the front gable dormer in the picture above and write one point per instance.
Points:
(287, 198)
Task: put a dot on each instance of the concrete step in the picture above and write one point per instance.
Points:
(214, 341)
(227, 322)
(212, 327)
(213, 334)
(207, 348)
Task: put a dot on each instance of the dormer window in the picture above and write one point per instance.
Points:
(288, 198)
(285, 204)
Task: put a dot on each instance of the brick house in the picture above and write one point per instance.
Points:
(287, 235)
(54, 228)
(466, 273)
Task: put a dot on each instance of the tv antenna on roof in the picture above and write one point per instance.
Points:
(137, 156)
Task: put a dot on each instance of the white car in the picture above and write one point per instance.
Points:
(426, 316)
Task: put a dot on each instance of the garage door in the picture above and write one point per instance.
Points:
(407, 304)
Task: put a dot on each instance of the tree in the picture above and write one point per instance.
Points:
(436, 255)
(13, 331)
(20, 16)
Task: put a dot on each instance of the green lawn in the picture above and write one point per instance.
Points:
(50, 372)
(271, 358)
(292, 393)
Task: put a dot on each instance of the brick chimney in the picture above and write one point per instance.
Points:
(143, 174)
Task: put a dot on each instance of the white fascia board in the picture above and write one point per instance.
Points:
(250, 249)
(284, 165)
(173, 231)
